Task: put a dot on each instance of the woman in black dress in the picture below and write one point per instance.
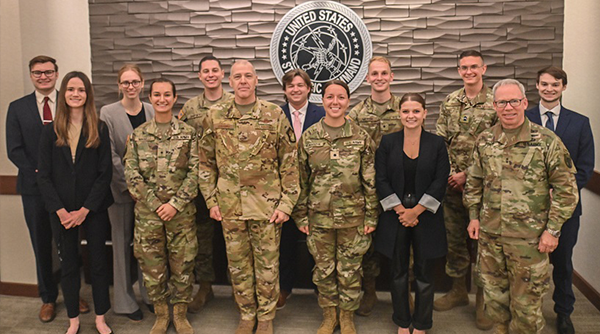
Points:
(74, 173)
(411, 174)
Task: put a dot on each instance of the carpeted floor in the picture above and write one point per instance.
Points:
(301, 315)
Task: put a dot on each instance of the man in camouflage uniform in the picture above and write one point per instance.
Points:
(520, 190)
(378, 115)
(338, 208)
(194, 111)
(249, 178)
(161, 170)
(464, 114)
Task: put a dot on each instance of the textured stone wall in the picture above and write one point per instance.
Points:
(422, 38)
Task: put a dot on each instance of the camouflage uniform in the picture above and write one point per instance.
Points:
(366, 116)
(193, 113)
(248, 168)
(162, 169)
(337, 200)
(460, 122)
(508, 190)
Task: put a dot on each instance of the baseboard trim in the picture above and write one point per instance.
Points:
(19, 289)
(587, 289)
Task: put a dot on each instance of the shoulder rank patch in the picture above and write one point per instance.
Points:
(568, 160)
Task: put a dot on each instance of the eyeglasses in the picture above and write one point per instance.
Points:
(38, 74)
(513, 103)
(134, 83)
(472, 68)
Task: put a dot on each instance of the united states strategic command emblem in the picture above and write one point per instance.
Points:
(325, 39)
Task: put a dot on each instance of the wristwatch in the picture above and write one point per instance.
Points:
(554, 233)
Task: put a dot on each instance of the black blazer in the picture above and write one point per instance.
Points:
(575, 132)
(431, 178)
(85, 183)
(23, 130)
(314, 113)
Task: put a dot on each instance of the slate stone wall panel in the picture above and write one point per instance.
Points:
(422, 39)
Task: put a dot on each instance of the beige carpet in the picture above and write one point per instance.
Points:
(301, 315)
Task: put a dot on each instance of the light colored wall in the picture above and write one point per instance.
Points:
(58, 28)
(580, 61)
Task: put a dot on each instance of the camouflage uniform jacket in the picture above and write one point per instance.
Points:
(508, 185)
(365, 115)
(162, 169)
(337, 178)
(195, 110)
(248, 164)
(461, 121)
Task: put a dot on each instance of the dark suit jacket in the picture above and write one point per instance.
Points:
(575, 131)
(314, 113)
(431, 178)
(85, 183)
(23, 130)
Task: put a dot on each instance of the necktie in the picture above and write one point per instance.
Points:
(47, 112)
(550, 121)
(297, 125)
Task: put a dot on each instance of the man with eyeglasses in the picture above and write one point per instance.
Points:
(194, 111)
(24, 122)
(575, 131)
(464, 114)
(520, 190)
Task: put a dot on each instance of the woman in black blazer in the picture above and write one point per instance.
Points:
(74, 174)
(411, 174)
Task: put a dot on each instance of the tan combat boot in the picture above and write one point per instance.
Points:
(204, 294)
(330, 321)
(369, 298)
(457, 296)
(182, 325)
(347, 322)
(501, 328)
(161, 324)
(265, 327)
(245, 327)
(481, 320)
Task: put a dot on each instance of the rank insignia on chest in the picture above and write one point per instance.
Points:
(464, 119)
(384, 126)
(334, 154)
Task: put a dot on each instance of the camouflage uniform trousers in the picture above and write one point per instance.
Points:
(338, 254)
(456, 219)
(203, 267)
(253, 259)
(515, 276)
(166, 250)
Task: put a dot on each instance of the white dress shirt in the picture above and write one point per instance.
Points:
(555, 111)
(302, 115)
(39, 98)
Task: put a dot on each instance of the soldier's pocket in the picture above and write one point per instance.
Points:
(535, 279)
(310, 242)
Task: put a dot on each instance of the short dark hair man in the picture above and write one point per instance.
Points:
(302, 114)
(194, 111)
(24, 122)
(575, 132)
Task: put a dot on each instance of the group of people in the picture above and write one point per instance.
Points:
(359, 184)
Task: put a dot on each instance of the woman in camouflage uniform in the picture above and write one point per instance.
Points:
(161, 169)
(338, 206)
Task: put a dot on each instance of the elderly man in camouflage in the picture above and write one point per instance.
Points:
(193, 113)
(249, 178)
(378, 115)
(464, 114)
(520, 189)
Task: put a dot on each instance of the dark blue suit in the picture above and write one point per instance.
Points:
(575, 131)
(23, 130)
(290, 233)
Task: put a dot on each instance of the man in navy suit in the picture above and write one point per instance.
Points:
(24, 122)
(301, 114)
(575, 131)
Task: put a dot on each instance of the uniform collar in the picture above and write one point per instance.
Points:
(233, 112)
(390, 104)
(346, 130)
(524, 134)
(153, 128)
(479, 99)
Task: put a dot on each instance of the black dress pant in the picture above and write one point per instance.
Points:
(288, 250)
(562, 274)
(40, 232)
(96, 227)
(422, 318)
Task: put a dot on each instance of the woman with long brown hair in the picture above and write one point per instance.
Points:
(121, 118)
(74, 173)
